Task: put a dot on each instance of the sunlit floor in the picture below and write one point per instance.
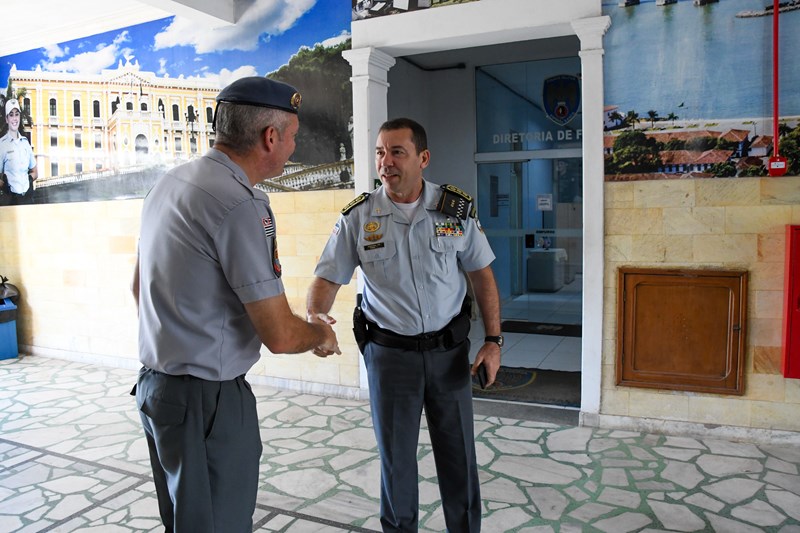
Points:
(547, 352)
(73, 459)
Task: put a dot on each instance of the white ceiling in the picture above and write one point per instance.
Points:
(44, 22)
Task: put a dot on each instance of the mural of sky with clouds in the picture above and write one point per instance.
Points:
(267, 36)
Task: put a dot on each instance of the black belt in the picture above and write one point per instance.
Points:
(417, 343)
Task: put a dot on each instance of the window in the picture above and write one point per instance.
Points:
(76, 108)
(193, 145)
(78, 167)
(53, 107)
(96, 109)
(98, 140)
(78, 140)
(26, 104)
(209, 115)
(53, 138)
(143, 106)
(176, 115)
(53, 169)
(114, 105)
(178, 144)
(129, 106)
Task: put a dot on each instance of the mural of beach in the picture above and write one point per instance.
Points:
(693, 76)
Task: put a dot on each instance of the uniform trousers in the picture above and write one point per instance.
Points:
(401, 384)
(205, 449)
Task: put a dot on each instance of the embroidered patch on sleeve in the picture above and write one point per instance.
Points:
(269, 226)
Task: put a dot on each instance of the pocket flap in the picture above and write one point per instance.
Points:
(163, 413)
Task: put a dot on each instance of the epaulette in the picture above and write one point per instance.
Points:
(454, 202)
(453, 188)
(360, 199)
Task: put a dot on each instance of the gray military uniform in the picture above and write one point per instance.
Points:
(207, 247)
(413, 284)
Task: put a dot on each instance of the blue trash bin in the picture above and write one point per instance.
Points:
(8, 329)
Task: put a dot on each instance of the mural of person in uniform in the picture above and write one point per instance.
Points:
(17, 162)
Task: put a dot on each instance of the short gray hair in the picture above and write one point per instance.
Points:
(240, 126)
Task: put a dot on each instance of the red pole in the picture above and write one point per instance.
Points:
(775, 11)
(777, 165)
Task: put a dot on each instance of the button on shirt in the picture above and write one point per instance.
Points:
(17, 159)
(207, 247)
(412, 280)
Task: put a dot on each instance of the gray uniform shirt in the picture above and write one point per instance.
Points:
(412, 278)
(207, 246)
(16, 158)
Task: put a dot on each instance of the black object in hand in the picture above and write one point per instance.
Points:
(482, 377)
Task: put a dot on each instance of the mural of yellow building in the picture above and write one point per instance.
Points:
(122, 119)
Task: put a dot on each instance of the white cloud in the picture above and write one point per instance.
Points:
(225, 76)
(338, 39)
(103, 56)
(54, 51)
(271, 17)
(162, 65)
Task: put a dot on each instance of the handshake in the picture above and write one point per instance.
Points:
(330, 344)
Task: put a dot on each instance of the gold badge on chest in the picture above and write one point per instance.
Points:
(372, 226)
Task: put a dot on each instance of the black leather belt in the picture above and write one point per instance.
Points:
(417, 343)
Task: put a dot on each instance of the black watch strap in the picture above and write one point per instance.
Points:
(497, 339)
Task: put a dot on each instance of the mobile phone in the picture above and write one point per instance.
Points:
(482, 377)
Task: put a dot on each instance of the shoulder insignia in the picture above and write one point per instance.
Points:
(454, 202)
(473, 213)
(360, 199)
(456, 190)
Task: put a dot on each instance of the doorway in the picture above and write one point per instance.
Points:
(530, 204)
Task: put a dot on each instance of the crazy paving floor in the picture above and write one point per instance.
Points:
(72, 458)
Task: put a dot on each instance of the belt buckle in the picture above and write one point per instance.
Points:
(429, 343)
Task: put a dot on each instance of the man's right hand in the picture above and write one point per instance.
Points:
(330, 345)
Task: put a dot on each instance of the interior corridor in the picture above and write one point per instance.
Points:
(73, 458)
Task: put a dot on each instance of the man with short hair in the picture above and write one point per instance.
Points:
(17, 162)
(414, 241)
(209, 293)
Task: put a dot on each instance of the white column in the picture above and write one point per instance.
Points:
(370, 88)
(590, 31)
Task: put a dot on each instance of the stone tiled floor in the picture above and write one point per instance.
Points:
(72, 458)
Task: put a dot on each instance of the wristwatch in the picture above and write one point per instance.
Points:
(497, 339)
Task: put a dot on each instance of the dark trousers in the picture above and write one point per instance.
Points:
(401, 383)
(205, 449)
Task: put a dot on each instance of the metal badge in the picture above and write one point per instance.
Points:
(372, 226)
(374, 237)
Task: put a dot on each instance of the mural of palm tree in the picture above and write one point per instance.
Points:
(673, 117)
(632, 117)
(616, 117)
(653, 116)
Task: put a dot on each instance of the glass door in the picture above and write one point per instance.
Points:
(530, 203)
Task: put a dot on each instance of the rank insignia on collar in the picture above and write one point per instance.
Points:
(372, 226)
(373, 237)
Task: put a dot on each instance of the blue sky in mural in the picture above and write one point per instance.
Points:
(267, 36)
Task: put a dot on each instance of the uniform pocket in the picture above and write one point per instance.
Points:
(446, 253)
(378, 260)
(163, 413)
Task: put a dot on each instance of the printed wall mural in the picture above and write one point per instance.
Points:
(363, 9)
(688, 88)
(107, 114)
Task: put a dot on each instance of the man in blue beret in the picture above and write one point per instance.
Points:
(209, 294)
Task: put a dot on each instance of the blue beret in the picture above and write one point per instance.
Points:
(262, 92)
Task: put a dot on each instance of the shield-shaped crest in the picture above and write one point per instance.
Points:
(562, 96)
